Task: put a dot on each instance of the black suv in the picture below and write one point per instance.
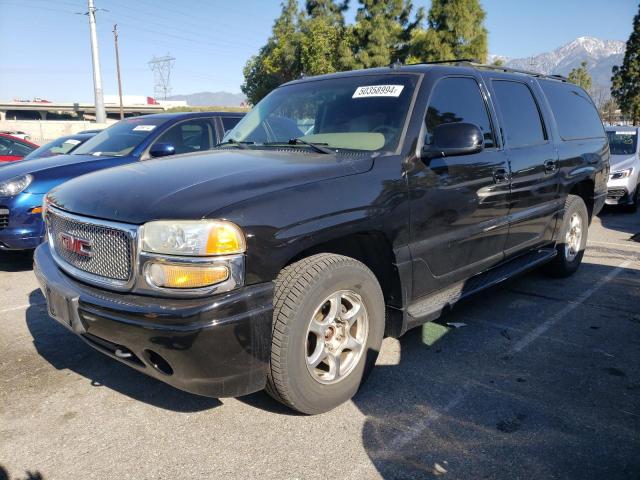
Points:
(341, 208)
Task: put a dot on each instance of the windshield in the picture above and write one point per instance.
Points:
(357, 113)
(120, 139)
(623, 142)
(59, 146)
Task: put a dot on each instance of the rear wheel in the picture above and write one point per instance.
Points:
(572, 238)
(327, 330)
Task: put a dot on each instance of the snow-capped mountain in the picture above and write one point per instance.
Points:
(600, 55)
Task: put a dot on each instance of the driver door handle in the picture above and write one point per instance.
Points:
(550, 166)
(501, 175)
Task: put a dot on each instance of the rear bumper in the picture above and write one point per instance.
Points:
(217, 346)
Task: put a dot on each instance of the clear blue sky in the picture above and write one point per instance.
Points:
(44, 45)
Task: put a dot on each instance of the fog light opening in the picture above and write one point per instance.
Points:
(157, 362)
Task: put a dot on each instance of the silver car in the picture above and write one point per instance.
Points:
(625, 166)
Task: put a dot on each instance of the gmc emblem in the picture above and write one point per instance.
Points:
(79, 246)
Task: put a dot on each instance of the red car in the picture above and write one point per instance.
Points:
(12, 148)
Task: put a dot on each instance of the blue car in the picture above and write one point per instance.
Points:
(24, 184)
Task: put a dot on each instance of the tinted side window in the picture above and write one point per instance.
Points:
(20, 149)
(520, 114)
(458, 100)
(228, 123)
(575, 113)
(190, 136)
(5, 146)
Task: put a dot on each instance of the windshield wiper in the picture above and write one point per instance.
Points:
(316, 146)
(231, 141)
(298, 141)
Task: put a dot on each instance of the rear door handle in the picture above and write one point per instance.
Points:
(550, 166)
(501, 175)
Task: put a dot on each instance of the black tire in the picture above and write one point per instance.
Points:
(300, 288)
(562, 265)
(633, 207)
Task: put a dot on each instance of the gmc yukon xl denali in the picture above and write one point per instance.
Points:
(342, 208)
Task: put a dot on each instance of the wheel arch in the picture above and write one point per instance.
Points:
(373, 249)
(585, 189)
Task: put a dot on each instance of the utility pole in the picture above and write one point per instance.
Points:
(101, 116)
(115, 39)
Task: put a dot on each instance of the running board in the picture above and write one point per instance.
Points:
(431, 306)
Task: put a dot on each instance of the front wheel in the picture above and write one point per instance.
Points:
(572, 238)
(328, 324)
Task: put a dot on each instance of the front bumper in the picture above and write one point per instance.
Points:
(621, 191)
(24, 230)
(217, 346)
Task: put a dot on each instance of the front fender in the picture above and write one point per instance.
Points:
(279, 226)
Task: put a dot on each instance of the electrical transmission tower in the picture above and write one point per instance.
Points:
(161, 68)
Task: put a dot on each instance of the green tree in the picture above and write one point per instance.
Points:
(455, 30)
(609, 111)
(626, 78)
(381, 33)
(580, 76)
(279, 60)
(322, 33)
(498, 62)
(309, 41)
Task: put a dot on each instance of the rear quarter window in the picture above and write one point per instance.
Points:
(575, 113)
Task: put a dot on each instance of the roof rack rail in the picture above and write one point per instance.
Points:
(453, 60)
(475, 64)
(517, 70)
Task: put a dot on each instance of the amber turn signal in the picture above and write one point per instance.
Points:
(166, 275)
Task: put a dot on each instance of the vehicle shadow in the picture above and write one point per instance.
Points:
(460, 403)
(16, 261)
(29, 475)
(453, 401)
(617, 219)
(64, 350)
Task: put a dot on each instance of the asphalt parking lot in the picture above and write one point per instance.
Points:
(538, 378)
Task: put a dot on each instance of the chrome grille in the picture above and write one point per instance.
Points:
(110, 248)
(4, 217)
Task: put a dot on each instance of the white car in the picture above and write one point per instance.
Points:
(17, 134)
(622, 188)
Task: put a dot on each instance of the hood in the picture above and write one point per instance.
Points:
(196, 185)
(51, 171)
(622, 162)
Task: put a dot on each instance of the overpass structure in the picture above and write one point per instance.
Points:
(69, 111)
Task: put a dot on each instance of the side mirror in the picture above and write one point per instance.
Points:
(162, 150)
(451, 139)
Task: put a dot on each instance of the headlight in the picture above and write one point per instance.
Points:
(622, 174)
(197, 238)
(15, 185)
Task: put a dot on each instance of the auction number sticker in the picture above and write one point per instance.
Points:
(143, 128)
(626, 132)
(72, 141)
(378, 91)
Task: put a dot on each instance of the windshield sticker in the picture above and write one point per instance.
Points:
(143, 128)
(626, 132)
(71, 141)
(378, 91)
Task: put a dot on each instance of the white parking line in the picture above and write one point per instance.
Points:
(630, 245)
(420, 426)
(20, 307)
(543, 327)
